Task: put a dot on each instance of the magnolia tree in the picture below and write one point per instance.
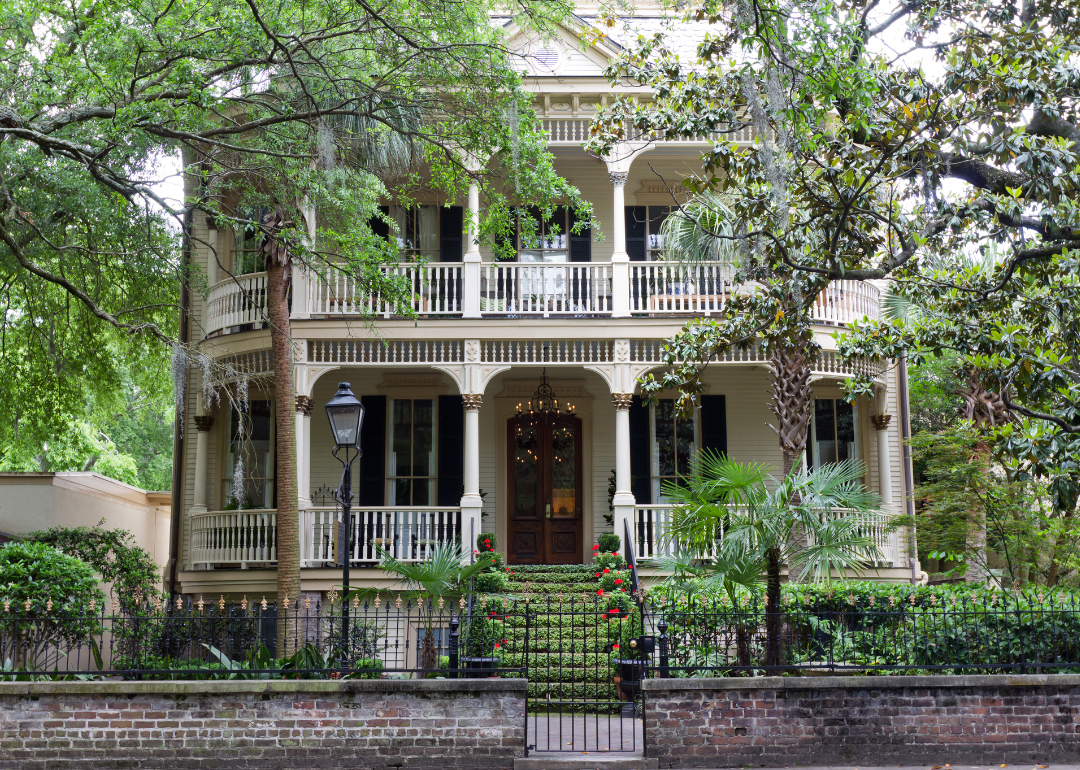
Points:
(898, 139)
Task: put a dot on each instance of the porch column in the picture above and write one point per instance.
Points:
(303, 468)
(471, 269)
(623, 501)
(620, 261)
(471, 503)
(203, 423)
(881, 424)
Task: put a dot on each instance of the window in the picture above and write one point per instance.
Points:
(418, 232)
(834, 432)
(247, 244)
(550, 243)
(254, 447)
(674, 440)
(654, 241)
(412, 451)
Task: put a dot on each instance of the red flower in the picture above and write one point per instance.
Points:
(504, 641)
(614, 553)
(606, 570)
(615, 646)
(596, 548)
(612, 612)
(598, 574)
(498, 646)
(618, 581)
(600, 592)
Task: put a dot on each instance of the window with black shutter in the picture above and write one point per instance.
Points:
(372, 487)
(451, 450)
(636, 230)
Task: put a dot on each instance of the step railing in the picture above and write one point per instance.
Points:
(238, 301)
(652, 524)
(408, 533)
(545, 289)
(234, 539)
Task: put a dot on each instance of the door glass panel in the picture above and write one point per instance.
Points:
(564, 469)
(526, 469)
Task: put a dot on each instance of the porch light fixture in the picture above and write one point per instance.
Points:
(346, 415)
(544, 401)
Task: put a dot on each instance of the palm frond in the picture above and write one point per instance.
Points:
(701, 231)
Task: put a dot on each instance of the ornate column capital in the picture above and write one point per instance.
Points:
(304, 404)
(204, 422)
(881, 421)
(622, 400)
(472, 401)
(618, 178)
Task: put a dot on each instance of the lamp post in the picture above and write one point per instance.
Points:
(346, 415)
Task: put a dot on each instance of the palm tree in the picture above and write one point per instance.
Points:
(444, 575)
(740, 524)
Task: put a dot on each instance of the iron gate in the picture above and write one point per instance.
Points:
(584, 661)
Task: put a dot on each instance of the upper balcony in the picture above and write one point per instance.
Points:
(503, 290)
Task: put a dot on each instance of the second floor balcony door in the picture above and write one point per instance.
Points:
(544, 489)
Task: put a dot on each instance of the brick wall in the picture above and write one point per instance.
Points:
(266, 724)
(872, 720)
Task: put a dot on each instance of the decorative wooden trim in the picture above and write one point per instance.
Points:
(881, 421)
(567, 389)
(472, 401)
(393, 382)
(204, 422)
(622, 400)
(304, 404)
(618, 178)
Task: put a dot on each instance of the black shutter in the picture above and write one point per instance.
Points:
(451, 222)
(378, 226)
(714, 424)
(640, 448)
(580, 243)
(373, 445)
(451, 450)
(635, 232)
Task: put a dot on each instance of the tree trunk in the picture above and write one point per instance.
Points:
(288, 523)
(772, 609)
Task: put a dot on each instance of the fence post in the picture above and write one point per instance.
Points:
(665, 671)
(453, 646)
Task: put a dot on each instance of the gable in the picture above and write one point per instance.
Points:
(568, 54)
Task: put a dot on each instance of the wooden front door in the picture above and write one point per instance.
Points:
(544, 489)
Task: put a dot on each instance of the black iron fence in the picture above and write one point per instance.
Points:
(998, 632)
(197, 639)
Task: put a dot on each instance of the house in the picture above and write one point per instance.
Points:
(450, 445)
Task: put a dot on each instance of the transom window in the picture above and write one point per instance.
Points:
(834, 432)
(418, 232)
(412, 472)
(254, 448)
(674, 440)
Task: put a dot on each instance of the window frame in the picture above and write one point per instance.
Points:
(562, 212)
(655, 253)
(811, 434)
(229, 458)
(655, 479)
(433, 469)
(416, 254)
(255, 215)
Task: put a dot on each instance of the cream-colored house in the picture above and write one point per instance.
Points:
(446, 453)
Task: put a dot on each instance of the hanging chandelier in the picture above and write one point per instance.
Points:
(544, 401)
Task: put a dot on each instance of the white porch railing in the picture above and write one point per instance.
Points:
(436, 290)
(651, 524)
(671, 287)
(500, 289)
(236, 302)
(406, 533)
(515, 288)
(243, 538)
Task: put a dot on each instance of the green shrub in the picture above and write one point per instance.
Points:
(494, 582)
(609, 542)
(52, 600)
(486, 542)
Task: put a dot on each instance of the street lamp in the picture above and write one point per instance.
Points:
(346, 415)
